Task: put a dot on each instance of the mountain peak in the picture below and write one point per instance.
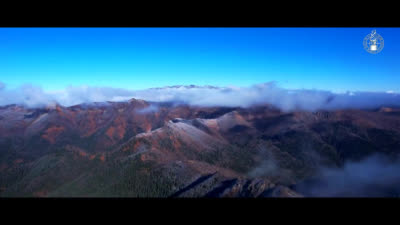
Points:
(134, 100)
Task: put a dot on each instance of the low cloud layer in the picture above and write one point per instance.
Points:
(270, 93)
(267, 167)
(375, 176)
(2, 86)
(149, 109)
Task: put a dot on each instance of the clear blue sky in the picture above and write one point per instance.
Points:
(137, 58)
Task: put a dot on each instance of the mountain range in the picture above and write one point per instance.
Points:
(139, 148)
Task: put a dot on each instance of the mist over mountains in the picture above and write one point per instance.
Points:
(206, 96)
(198, 141)
(370, 177)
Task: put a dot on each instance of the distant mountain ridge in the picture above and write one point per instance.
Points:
(186, 87)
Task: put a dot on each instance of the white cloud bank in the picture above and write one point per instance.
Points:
(287, 100)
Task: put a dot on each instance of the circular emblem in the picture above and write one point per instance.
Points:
(373, 42)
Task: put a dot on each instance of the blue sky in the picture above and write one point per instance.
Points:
(137, 58)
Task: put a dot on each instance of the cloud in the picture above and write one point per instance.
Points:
(149, 109)
(74, 95)
(270, 93)
(35, 96)
(375, 176)
(267, 167)
(28, 95)
(286, 100)
(2, 86)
